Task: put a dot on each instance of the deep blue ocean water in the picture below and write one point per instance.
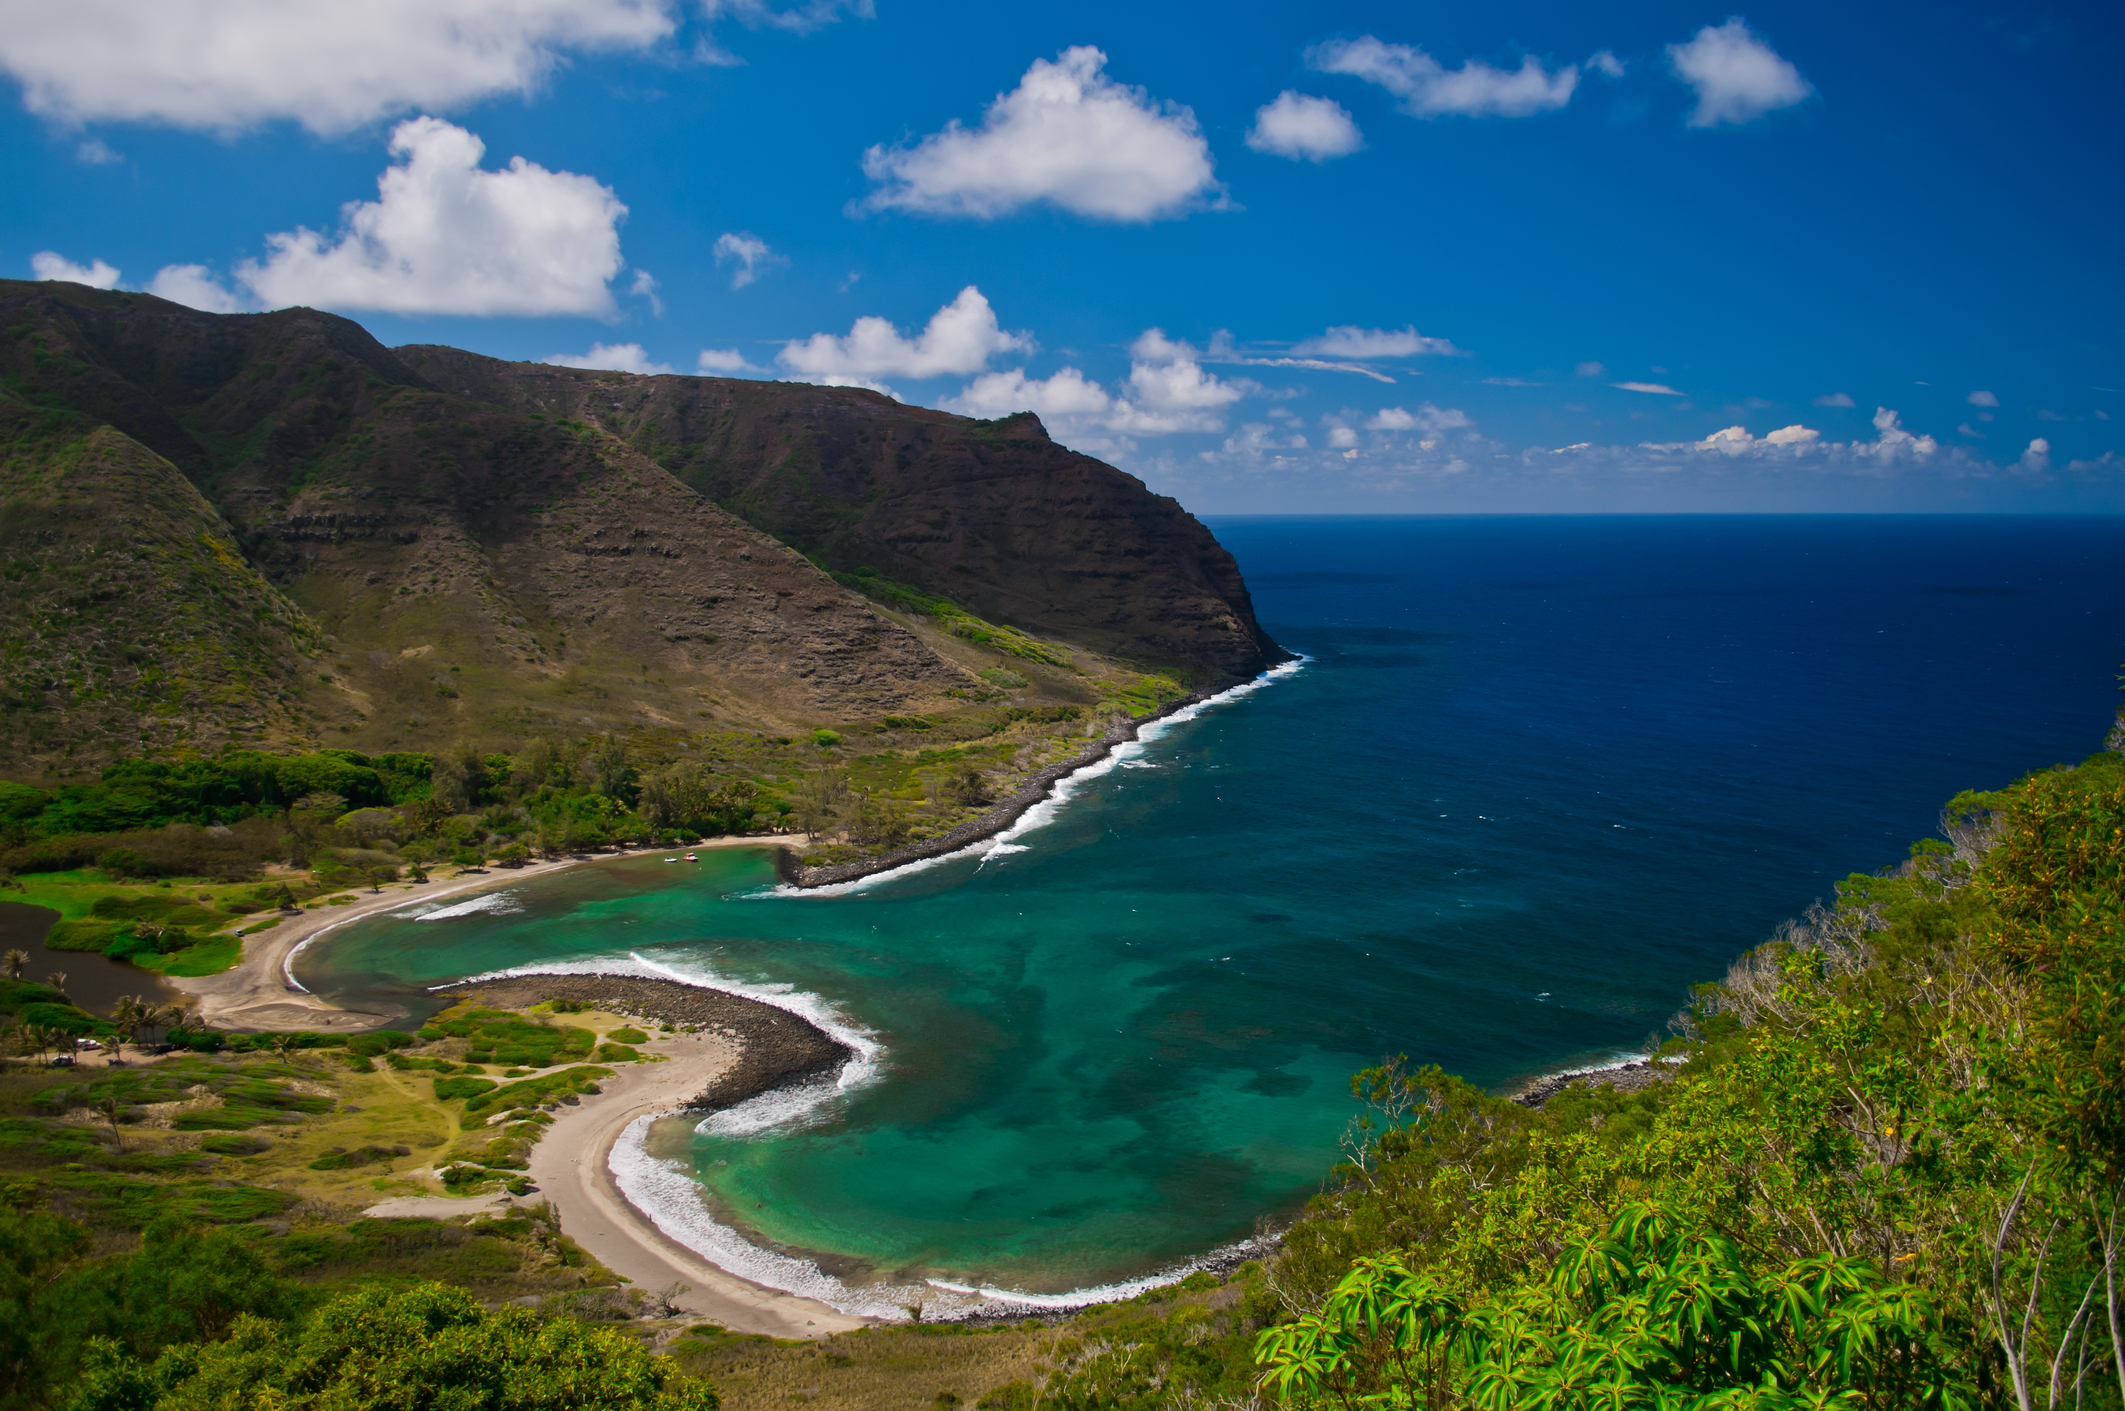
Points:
(1539, 777)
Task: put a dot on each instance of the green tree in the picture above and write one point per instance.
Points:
(377, 1349)
(1650, 1315)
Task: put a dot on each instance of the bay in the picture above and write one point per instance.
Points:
(1536, 778)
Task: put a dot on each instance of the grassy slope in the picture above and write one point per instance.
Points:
(131, 621)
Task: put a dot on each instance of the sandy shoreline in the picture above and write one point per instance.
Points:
(571, 1166)
(255, 993)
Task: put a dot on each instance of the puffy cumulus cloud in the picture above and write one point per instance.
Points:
(1982, 399)
(748, 252)
(331, 66)
(610, 357)
(1657, 389)
(1737, 77)
(1350, 341)
(1736, 440)
(1892, 442)
(1167, 391)
(446, 237)
(1068, 397)
(195, 287)
(715, 362)
(1602, 62)
(1304, 128)
(961, 338)
(1834, 399)
(2036, 459)
(1069, 136)
(96, 274)
(1426, 88)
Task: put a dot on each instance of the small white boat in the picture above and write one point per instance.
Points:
(691, 858)
(671, 859)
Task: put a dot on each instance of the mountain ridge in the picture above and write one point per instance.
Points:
(410, 553)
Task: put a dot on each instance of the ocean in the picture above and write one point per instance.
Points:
(1533, 779)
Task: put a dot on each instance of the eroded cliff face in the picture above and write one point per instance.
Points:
(993, 515)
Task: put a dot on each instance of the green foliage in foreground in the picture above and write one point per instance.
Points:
(1647, 1316)
(427, 1346)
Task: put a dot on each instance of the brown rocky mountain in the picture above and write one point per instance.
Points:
(269, 528)
(993, 515)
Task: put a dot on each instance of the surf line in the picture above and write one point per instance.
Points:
(1038, 802)
(287, 962)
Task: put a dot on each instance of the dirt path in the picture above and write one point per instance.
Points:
(257, 993)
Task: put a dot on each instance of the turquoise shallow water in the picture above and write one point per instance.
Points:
(1540, 777)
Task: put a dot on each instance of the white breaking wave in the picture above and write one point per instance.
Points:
(1050, 808)
(669, 1194)
(801, 1104)
(499, 902)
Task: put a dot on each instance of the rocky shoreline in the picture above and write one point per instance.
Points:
(989, 824)
(775, 1047)
(1625, 1078)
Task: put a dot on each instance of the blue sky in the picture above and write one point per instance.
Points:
(1335, 258)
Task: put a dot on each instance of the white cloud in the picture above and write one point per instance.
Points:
(2037, 458)
(1657, 388)
(1171, 391)
(1350, 341)
(797, 19)
(645, 287)
(449, 238)
(749, 251)
(1508, 382)
(1602, 62)
(1427, 89)
(196, 288)
(1834, 399)
(1067, 135)
(331, 66)
(1736, 440)
(1738, 77)
(723, 360)
(96, 274)
(1982, 399)
(1167, 392)
(961, 338)
(1894, 443)
(1223, 350)
(1304, 128)
(1966, 429)
(1589, 370)
(610, 357)
(97, 153)
(1066, 395)
(1427, 420)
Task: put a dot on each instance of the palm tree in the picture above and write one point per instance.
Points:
(15, 962)
(57, 980)
(127, 1016)
(110, 1107)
